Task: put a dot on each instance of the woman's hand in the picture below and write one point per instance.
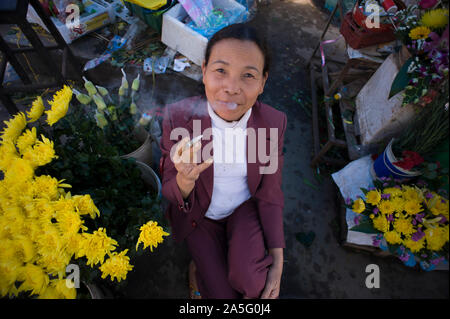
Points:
(184, 160)
(273, 281)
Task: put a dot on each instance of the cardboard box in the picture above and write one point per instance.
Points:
(101, 14)
(181, 38)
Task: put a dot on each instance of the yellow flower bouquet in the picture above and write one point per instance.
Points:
(409, 221)
(43, 227)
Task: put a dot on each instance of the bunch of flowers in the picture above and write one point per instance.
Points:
(412, 219)
(423, 29)
(42, 226)
(124, 126)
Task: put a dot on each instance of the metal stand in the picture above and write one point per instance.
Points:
(364, 69)
(18, 16)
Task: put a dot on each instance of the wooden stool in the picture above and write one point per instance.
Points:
(15, 12)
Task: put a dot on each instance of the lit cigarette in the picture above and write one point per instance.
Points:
(192, 142)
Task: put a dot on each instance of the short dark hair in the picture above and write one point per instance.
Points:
(240, 31)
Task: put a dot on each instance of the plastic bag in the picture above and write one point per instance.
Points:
(219, 19)
(198, 10)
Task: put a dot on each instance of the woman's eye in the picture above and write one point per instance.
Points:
(220, 70)
(249, 75)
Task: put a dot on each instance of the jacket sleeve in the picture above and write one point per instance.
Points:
(170, 189)
(270, 198)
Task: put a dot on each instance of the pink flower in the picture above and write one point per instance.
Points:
(427, 4)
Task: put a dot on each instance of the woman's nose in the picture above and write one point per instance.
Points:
(231, 86)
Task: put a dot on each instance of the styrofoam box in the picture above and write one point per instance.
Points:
(181, 38)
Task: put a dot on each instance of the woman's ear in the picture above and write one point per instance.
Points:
(266, 75)
(203, 68)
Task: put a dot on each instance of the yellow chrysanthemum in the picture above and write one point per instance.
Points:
(358, 206)
(26, 140)
(25, 249)
(386, 207)
(37, 108)
(398, 204)
(8, 153)
(63, 290)
(85, 205)
(412, 194)
(414, 246)
(435, 19)
(14, 128)
(392, 237)
(49, 240)
(95, 246)
(419, 33)
(73, 244)
(41, 153)
(439, 205)
(117, 266)
(54, 262)
(20, 170)
(413, 207)
(393, 191)
(44, 212)
(404, 226)
(69, 222)
(58, 289)
(59, 105)
(373, 197)
(9, 272)
(436, 238)
(152, 235)
(381, 223)
(47, 187)
(34, 279)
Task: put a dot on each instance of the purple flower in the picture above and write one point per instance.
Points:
(437, 260)
(376, 240)
(385, 184)
(428, 195)
(404, 256)
(427, 4)
(418, 235)
(348, 200)
(443, 219)
(390, 218)
(376, 210)
(424, 255)
(418, 217)
(414, 222)
(356, 220)
(385, 196)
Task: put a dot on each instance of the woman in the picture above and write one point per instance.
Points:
(228, 211)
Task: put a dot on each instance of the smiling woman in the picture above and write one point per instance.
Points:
(229, 213)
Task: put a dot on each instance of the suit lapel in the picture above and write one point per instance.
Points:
(206, 178)
(253, 176)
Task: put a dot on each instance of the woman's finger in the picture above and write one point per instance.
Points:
(201, 167)
(178, 150)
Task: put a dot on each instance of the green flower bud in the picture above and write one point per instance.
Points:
(112, 112)
(90, 87)
(133, 108)
(103, 91)
(99, 102)
(82, 98)
(124, 80)
(135, 84)
(101, 120)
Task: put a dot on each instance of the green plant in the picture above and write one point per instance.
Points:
(93, 164)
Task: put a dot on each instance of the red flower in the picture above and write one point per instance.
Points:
(410, 159)
(427, 4)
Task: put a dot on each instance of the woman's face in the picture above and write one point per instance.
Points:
(234, 77)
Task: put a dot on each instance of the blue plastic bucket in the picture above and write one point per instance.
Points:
(384, 167)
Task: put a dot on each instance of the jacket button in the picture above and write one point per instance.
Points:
(194, 224)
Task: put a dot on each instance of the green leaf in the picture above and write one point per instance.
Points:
(401, 79)
(365, 226)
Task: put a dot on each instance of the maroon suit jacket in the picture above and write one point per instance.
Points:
(265, 189)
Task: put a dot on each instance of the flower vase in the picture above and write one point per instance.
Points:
(144, 152)
(384, 166)
(150, 178)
